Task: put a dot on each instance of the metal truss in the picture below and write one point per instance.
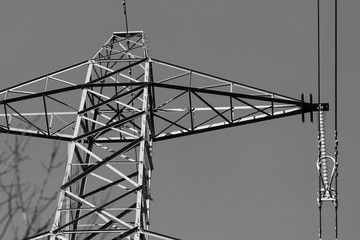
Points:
(110, 109)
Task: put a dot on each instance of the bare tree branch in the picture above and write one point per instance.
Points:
(22, 204)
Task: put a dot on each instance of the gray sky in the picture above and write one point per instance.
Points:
(252, 182)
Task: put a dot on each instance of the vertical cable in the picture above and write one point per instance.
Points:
(318, 51)
(336, 63)
(336, 120)
(319, 100)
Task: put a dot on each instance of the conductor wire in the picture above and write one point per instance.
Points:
(319, 100)
(336, 121)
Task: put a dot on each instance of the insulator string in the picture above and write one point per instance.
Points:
(324, 160)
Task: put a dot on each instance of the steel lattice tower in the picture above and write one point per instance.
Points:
(110, 109)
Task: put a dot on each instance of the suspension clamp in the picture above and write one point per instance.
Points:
(311, 107)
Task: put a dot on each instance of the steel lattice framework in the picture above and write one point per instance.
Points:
(110, 109)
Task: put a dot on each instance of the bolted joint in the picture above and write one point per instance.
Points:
(321, 106)
(310, 107)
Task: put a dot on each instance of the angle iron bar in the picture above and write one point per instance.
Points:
(209, 105)
(252, 106)
(22, 132)
(97, 209)
(134, 56)
(19, 116)
(191, 112)
(126, 234)
(129, 54)
(110, 99)
(170, 100)
(149, 157)
(39, 114)
(200, 124)
(106, 225)
(46, 83)
(46, 116)
(109, 40)
(21, 98)
(99, 134)
(85, 124)
(152, 102)
(61, 102)
(57, 115)
(222, 93)
(132, 123)
(71, 149)
(59, 130)
(89, 209)
(80, 159)
(174, 77)
(97, 74)
(61, 80)
(123, 108)
(115, 72)
(119, 60)
(199, 109)
(127, 50)
(216, 86)
(111, 70)
(76, 198)
(6, 118)
(252, 116)
(224, 80)
(111, 49)
(134, 43)
(231, 107)
(102, 57)
(21, 92)
(106, 180)
(101, 161)
(114, 129)
(49, 74)
(172, 123)
(115, 84)
(87, 231)
(112, 162)
(187, 133)
(106, 97)
(84, 180)
(128, 160)
(109, 126)
(129, 33)
(158, 235)
(131, 78)
(113, 42)
(108, 185)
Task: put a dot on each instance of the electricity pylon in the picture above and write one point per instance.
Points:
(110, 109)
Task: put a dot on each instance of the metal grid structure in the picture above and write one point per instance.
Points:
(110, 109)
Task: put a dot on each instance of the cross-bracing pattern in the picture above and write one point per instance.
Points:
(110, 109)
